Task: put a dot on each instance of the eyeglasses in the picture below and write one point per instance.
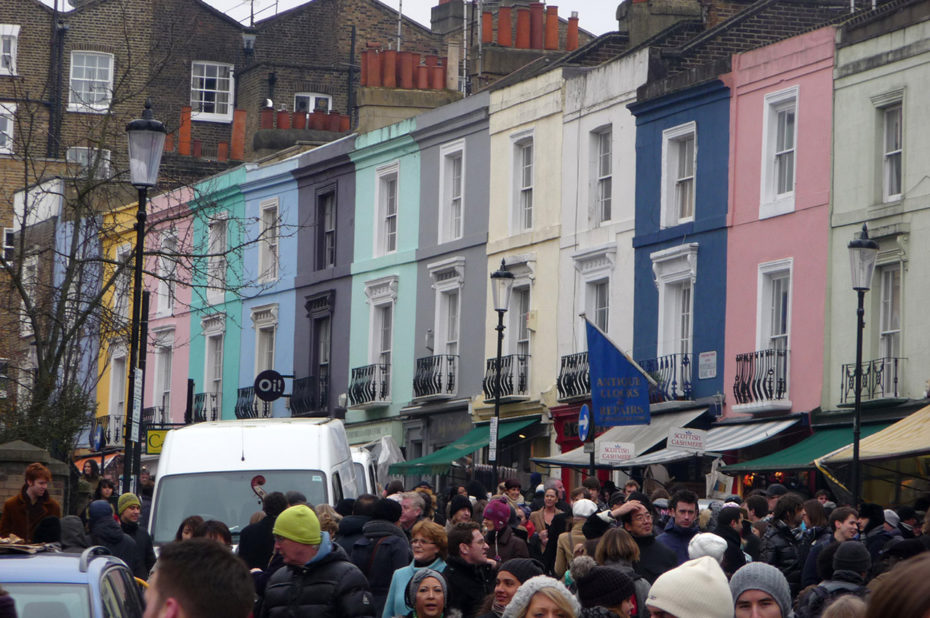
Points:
(642, 517)
(421, 542)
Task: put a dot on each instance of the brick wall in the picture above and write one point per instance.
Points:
(15, 456)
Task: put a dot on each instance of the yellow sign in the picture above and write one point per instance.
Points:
(154, 440)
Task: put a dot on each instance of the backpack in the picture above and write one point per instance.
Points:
(823, 595)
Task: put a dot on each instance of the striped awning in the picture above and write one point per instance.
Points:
(719, 439)
(908, 437)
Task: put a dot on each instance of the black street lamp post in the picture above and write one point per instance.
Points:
(862, 254)
(501, 286)
(146, 144)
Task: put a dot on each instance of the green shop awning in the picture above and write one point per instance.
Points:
(803, 454)
(438, 462)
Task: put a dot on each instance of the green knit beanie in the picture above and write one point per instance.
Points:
(299, 524)
(126, 501)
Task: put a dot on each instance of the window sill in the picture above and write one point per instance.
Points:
(87, 109)
(777, 207)
(219, 118)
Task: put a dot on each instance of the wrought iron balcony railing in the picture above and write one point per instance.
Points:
(761, 377)
(880, 380)
(248, 407)
(311, 395)
(514, 378)
(674, 378)
(370, 386)
(206, 407)
(114, 432)
(436, 377)
(574, 380)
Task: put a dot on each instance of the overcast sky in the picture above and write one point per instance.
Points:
(595, 16)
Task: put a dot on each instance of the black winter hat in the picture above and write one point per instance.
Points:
(459, 502)
(852, 556)
(594, 527)
(522, 568)
(387, 510)
(600, 586)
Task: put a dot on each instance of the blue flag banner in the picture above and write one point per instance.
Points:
(619, 390)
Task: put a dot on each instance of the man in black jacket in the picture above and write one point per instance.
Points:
(256, 542)
(105, 531)
(729, 526)
(318, 580)
(350, 527)
(130, 509)
(468, 573)
(383, 549)
(654, 558)
(781, 544)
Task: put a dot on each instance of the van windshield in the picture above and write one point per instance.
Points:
(226, 496)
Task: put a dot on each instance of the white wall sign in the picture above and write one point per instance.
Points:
(615, 452)
(687, 439)
(707, 365)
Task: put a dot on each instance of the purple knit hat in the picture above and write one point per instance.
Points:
(498, 512)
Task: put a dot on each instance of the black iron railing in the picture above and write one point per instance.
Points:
(245, 403)
(674, 378)
(205, 408)
(880, 380)
(574, 380)
(761, 376)
(311, 394)
(515, 377)
(370, 385)
(436, 376)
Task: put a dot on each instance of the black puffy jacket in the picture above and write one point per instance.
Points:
(781, 547)
(328, 588)
(383, 549)
(468, 585)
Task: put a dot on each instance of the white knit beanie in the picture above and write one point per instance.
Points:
(698, 588)
(707, 544)
(523, 595)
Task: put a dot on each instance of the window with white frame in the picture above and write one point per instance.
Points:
(889, 277)
(599, 299)
(448, 277)
(118, 380)
(213, 328)
(265, 323)
(9, 244)
(7, 127)
(891, 152)
(167, 274)
(9, 37)
(384, 333)
(779, 138)
(216, 262)
(451, 190)
(601, 141)
(522, 182)
(268, 240)
(91, 81)
(675, 271)
(386, 197)
(326, 230)
(312, 102)
(382, 296)
(322, 337)
(211, 91)
(519, 320)
(679, 164)
(89, 161)
(595, 266)
(122, 282)
(30, 278)
(164, 349)
(774, 317)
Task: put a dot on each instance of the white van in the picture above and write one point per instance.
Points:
(218, 469)
(366, 475)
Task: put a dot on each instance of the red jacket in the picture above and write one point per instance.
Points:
(20, 517)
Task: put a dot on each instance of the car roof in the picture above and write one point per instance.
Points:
(52, 567)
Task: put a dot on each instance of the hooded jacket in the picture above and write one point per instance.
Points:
(256, 543)
(105, 531)
(21, 516)
(350, 530)
(74, 538)
(503, 545)
(329, 586)
(383, 549)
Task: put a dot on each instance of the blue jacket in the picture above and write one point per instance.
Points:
(396, 604)
(677, 538)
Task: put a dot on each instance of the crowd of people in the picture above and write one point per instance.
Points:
(595, 552)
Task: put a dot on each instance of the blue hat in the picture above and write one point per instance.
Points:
(99, 509)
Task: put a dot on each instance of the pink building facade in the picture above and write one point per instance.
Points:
(778, 222)
(168, 245)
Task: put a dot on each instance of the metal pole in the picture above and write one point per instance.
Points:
(497, 396)
(860, 325)
(591, 439)
(128, 454)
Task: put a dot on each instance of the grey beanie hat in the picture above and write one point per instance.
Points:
(411, 595)
(523, 595)
(764, 577)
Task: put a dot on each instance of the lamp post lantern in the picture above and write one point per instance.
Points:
(146, 145)
(862, 254)
(501, 287)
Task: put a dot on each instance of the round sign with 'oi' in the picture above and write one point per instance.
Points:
(269, 385)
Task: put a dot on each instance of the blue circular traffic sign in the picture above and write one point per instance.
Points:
(584, 423)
